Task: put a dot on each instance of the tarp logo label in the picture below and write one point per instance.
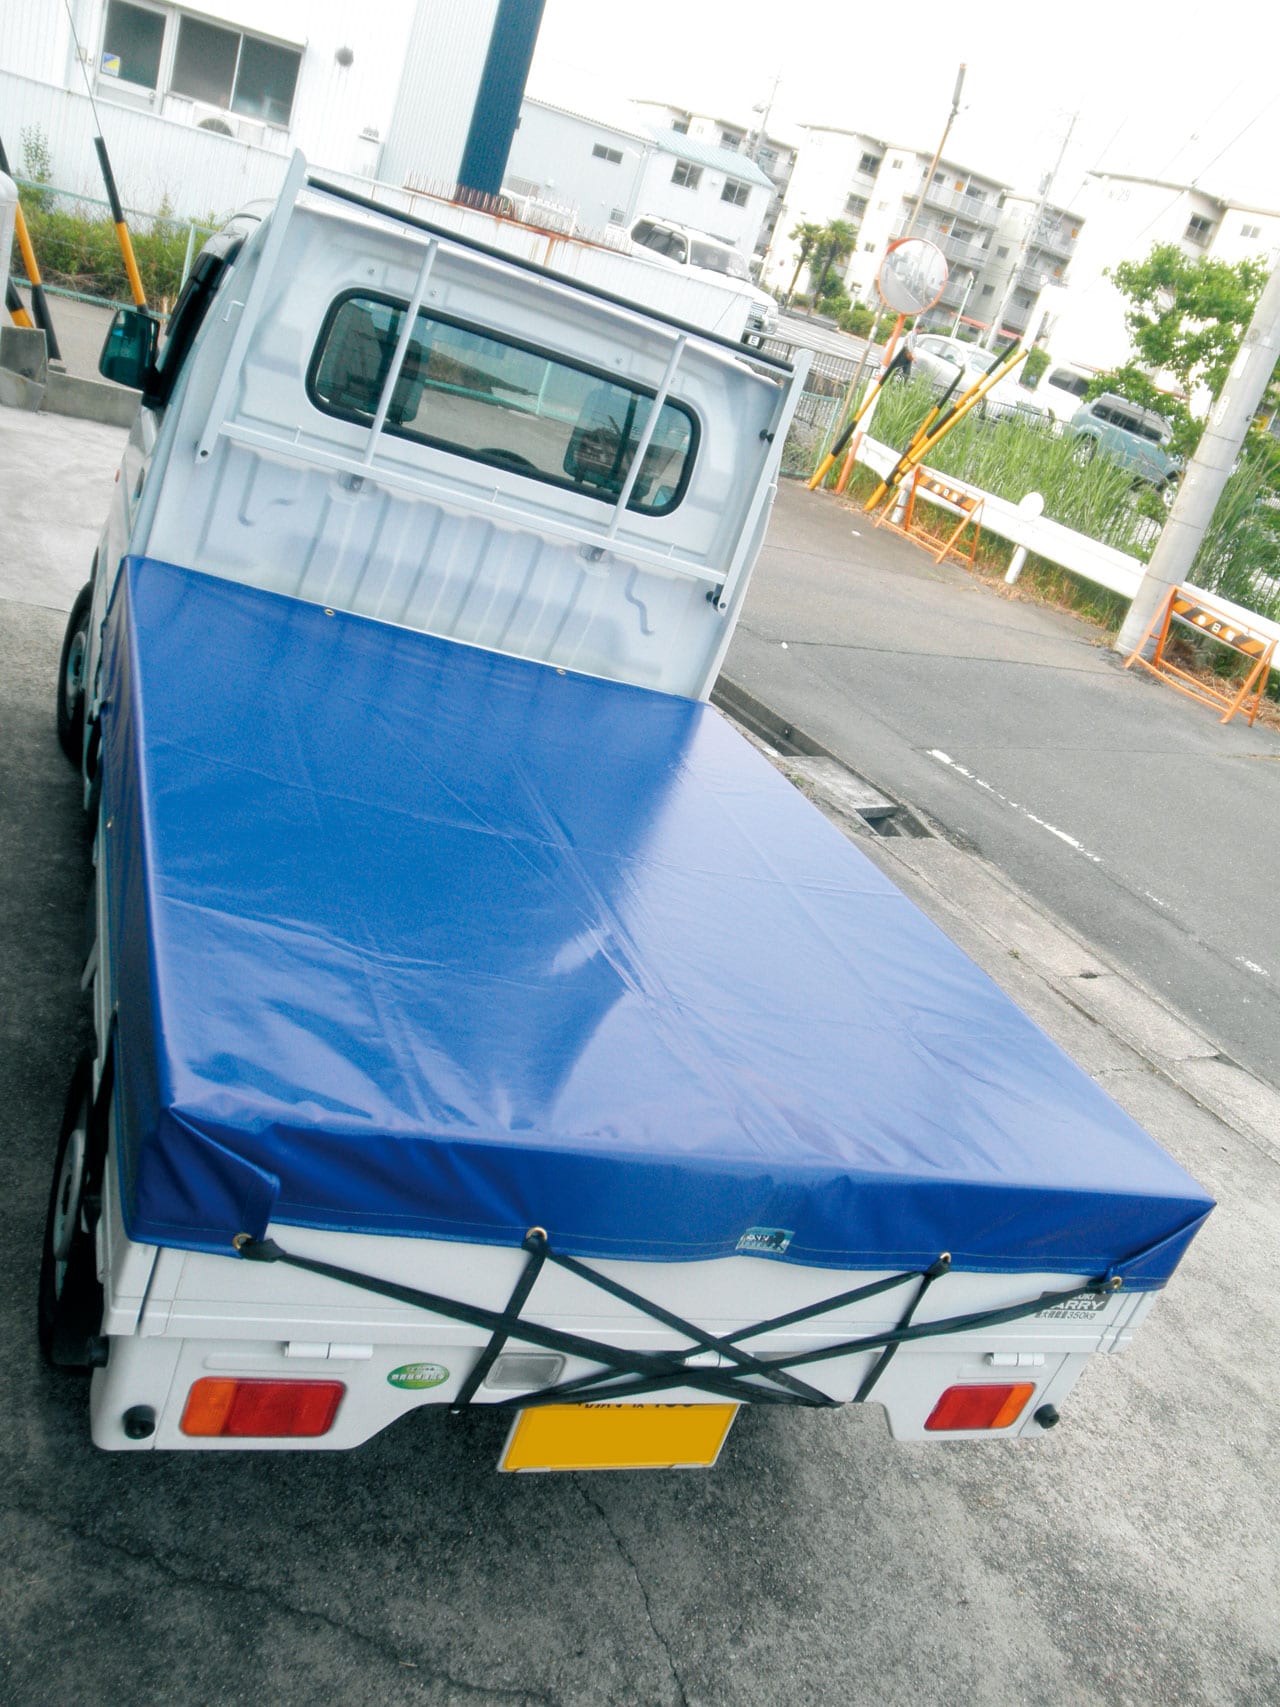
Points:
(765, 1241)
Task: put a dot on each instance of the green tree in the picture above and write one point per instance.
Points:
(834, 244)
(1187, 317)
(806, 234)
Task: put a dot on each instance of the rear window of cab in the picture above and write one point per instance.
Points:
(488, 398)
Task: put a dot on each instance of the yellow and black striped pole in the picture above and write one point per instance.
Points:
(919, 447)
(39, 315)
(122, 230)
(17, 308)
(899, 363)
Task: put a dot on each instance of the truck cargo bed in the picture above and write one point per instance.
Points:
(415, 938)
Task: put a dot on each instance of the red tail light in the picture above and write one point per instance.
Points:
(266, 1410)
(980, 1407)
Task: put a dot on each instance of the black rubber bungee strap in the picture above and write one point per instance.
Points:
(654, 1372)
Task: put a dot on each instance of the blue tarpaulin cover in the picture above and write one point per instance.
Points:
(415, 938)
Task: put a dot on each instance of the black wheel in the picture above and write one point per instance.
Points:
(71, 682)
(69, 1307)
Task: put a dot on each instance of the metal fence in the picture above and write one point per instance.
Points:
(75, 246)
(815, 420)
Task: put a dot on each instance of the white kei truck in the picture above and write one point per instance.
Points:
(480, 1018)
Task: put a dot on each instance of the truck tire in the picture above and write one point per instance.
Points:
(71, 683)
(69, 1306)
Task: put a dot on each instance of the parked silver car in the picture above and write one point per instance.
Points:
(937, 358)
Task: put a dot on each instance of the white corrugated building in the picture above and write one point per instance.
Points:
(201, 106)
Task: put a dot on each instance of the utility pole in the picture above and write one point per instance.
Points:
(937, 154)
(1032, 231)
(964, 303)
(1209, 468)
(753, 152)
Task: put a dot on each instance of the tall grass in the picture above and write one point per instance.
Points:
(76, 246)
(1239, 555)
(1014, 455)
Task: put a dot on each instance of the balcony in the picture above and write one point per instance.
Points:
(982, 211)
(1056, 242)
(960, 252)
(957, 287)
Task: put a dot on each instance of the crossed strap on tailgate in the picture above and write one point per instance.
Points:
(629, 1374)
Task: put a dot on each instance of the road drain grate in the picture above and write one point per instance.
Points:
(818, 770)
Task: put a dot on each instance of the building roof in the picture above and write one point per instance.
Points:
(716, 159)
(612, 125)
(1226, 203)
(769, 137)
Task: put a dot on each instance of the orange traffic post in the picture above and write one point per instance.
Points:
(1195, 610)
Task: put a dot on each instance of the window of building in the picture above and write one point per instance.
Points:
(241, 73)
(869, 248)
(466, 390)
(612, 155)
(988, 290)
(1199, 230)
(881, 206)
(767, 158)
(686, 175)
(895, 165)
(735, 191)
(132, 41)
(855, 206)
(731, 140)
(1251, 231)
(870, 164)
(681, 127)
(1002, 253)
(617, 216)
(207, 62)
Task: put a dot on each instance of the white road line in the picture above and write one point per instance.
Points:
(1252, 966)
(1041, 823)
(1078, 847)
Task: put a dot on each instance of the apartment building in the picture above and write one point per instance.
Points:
(1031, 249)
(607, 171)
(775, 158)
(1123, 218)
(884, 189)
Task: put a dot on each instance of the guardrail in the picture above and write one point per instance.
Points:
(1028, 531)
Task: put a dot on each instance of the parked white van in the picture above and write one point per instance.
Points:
(699, 252)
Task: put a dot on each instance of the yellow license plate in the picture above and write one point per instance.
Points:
(617, 1437)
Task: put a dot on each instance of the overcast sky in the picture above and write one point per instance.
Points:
(1163, 90)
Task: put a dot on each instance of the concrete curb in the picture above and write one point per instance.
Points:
(90, 400)
(964, 894)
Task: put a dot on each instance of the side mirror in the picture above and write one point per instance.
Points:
(129, 353)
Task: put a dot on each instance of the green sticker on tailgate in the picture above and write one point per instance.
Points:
(418, 1375)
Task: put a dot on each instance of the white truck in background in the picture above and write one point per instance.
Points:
(479, 1018)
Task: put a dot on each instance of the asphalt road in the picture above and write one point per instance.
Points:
(814, 335)
(1126, 1558)
(1120, 806)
